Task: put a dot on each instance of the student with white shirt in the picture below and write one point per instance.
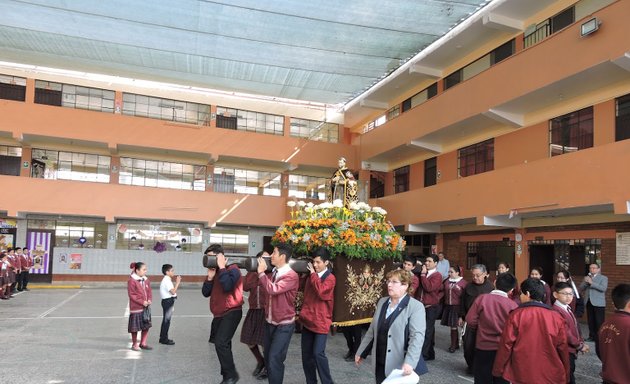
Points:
(168, 293)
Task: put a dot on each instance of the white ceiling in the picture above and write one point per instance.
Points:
(326, 51)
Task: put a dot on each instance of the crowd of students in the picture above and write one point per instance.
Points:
(519, 333)
(15, 266)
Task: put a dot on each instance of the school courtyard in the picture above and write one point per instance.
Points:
(79, 335)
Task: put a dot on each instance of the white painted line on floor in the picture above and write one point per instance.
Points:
(58, 305)
(126, 313)
(466, 378)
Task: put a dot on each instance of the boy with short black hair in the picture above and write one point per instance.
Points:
(534, 336)
(564, 295)
(168, 292)
(614, 339)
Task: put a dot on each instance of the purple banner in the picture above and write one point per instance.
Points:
(38, 244)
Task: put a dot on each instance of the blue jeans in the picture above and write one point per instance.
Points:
(168, 306)
(277, 339)
(314, 357)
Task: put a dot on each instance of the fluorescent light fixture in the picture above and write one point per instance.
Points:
(589, 26)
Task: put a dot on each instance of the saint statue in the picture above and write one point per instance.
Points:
(343, 186)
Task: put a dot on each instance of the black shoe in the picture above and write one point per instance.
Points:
(428, 358)
(349, 354)
(258, 369)
(146, 347)
(231, 380)
(349, 358)
(262, 375)
(167, 342)
(469, 370)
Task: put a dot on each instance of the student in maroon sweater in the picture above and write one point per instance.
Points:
(226, 303)
(537, 273)
(409, 263)
(487, 316)
(280, 290)
(140, 297)
(515, 295)
(533, 347)
(614, 339)
(316, 318)
(253, 330)
(453, 309)
(562, 304)
(430, 293)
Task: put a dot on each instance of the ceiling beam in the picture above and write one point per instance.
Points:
(435, 148)
(623, 61)
(500, 221)
(374, 166)
(372, 104)
(503, 23)
(514, 119)
(424, 228)
(423, 70)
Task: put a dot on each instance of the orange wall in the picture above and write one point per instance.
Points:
(522, 146)
(447, 166)
(604, 123)
(416, 175)
(112, 130)
(534, 64)
(110, 201)
(583, 178)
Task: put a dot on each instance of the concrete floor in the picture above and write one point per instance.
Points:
(80, 336)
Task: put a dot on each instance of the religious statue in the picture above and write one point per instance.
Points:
(343, 186)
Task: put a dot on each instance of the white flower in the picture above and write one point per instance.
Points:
(310, 204)
(363, 206)
(301, 203)
(337, 203)
(353, 206)
(291, 203)
(325, 205)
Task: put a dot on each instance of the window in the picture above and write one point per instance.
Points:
(377, 185)
(393, 112)
(166, 109)
(307, 187)
(548, 27)
(622, 121)
(74, 96)
(10, 160)
(48, 93)
(571, 132)
(430, 172)
(93, 99)
(184, 237)
(315, 130)
(12, 88)
(562, 19)
(81, 234)
(49, 164)
(502, 52)
(477, 158)
(453, 79)
(230, 180)
(401, 179)
(162, 174)
(250, 121)
(419, 246)
(233, 239)
(420, 97)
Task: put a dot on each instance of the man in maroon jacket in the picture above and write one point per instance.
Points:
(614, 339)
(316, 318)
(564, 295)
(487, 316)
(226, 304)
(430, 293)
(280, 290)
(533, 347)
(26, 263)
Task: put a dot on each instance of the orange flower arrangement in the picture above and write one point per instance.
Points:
(358, 232)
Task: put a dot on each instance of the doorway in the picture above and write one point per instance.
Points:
(542, 255)
(40, 243)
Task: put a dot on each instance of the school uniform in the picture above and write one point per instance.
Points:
(614, 344)
(253, 330)
(316, 318)
(487, 317)
(453, 309)
(26, 263)
(168, 306)
(226, 304)
(139, 291)
(574, 335)
(533, 348)
(430, 294)
(280, 290)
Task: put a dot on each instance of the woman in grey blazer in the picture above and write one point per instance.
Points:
(396, 334)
